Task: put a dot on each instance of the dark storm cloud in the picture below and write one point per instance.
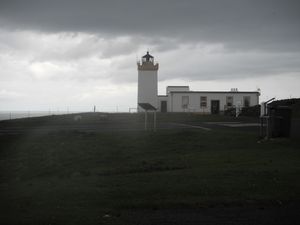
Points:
(261, 24)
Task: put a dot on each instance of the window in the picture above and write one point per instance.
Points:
(246, 101)
(203, 101)
(229, 101)
(185, 102)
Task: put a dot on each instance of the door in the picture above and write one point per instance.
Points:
(163, 106)
(215, 106)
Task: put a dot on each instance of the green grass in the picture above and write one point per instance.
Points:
(76, 178)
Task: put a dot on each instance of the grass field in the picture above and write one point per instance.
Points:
(172, 176)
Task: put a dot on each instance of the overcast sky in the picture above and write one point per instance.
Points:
(74, 54)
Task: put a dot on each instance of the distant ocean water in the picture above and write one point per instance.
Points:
(8, 115)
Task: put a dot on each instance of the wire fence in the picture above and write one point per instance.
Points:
(17, 114)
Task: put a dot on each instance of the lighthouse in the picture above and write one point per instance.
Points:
(147, 81)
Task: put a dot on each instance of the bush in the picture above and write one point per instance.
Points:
(253, 111)
(229, 112)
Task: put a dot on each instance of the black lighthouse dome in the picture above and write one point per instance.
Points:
(148, 58)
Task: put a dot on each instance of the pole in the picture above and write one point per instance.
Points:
(145, 119)
(268, 127)
(261, 126)
(154, 122)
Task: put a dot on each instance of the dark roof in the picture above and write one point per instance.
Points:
(178, 86)
(148, 56)
(285, 102)
(147, 106)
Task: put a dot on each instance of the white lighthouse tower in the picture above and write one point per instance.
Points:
(147, 81)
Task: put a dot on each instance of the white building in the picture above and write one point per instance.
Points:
(182, 99)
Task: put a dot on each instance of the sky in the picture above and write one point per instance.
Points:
(74, 54)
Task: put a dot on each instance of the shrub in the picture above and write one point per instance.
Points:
(253, 111)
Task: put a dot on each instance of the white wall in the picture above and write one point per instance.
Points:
(175, 100)
(147, 87)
